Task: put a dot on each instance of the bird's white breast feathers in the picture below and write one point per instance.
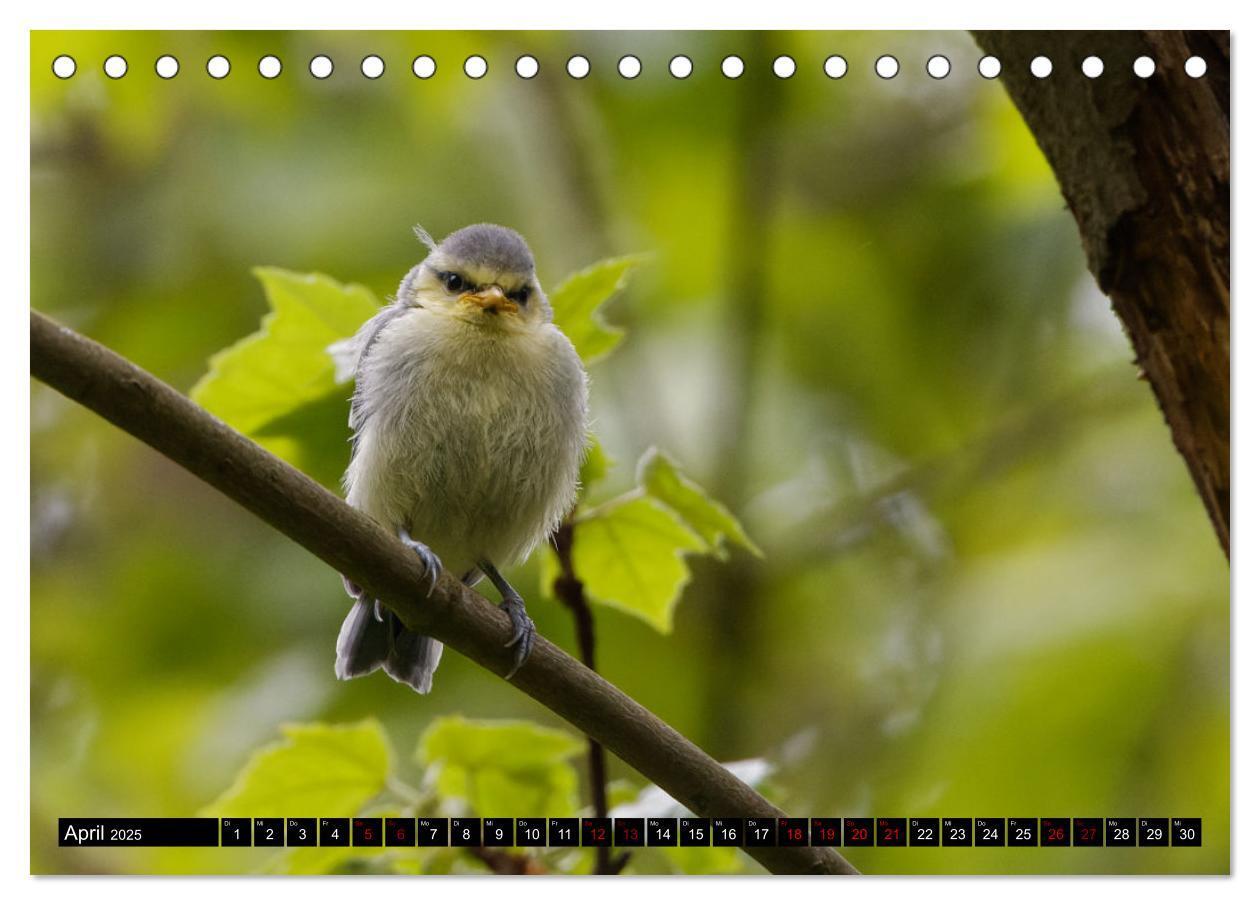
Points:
(474, 436)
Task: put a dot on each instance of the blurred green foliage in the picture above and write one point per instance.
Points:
(865, 327)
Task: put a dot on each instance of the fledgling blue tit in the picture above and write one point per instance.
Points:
(469, 420)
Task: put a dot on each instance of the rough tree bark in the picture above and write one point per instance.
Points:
(1144, 166)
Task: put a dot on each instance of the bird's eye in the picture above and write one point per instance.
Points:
(452, 281)
(520, 296)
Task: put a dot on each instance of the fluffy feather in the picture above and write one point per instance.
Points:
(469, 437)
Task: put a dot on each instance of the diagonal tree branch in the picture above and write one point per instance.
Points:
(354, 545)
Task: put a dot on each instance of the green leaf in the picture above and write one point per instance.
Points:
(503, 768)
(660, 477)
(317, 770)
(576, 303)
(316, 436)
(285, 365)
(629, 555)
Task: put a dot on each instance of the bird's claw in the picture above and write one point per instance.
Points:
(523, 632)
(432, 565)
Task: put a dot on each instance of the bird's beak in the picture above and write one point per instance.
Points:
(491, 300)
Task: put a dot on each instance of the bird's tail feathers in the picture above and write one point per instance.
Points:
(413, 660)
(371, 639)
(364, 641)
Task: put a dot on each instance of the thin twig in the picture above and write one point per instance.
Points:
(359, 548)
(569, 590)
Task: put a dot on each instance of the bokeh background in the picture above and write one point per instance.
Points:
(866, 326)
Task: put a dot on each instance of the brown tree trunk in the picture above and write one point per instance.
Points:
(1144, 166)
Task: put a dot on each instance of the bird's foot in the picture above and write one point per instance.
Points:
(432, 565)
(522, 640)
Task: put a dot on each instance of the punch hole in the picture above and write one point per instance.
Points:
(526, 66)
(1196, 67)
(629, 67)
(887, 67)
(218, 66)
(476, 67)
(784, 67)
(680, 66)
(64, 66)
(115, 66)
(321, 66)
(372, 66)
(989, 67)
(1041, 67)
(1144, 67)
(835, 66)
(1092, 67)
(423, 67)
(732, 67)
(166, 66)
(938, 66)
(578, 67)
(269, 67)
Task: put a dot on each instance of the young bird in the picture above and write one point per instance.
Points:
(469, 420)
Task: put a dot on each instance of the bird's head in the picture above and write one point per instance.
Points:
(482, 274)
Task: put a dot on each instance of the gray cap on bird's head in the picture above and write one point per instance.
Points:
(484, 245)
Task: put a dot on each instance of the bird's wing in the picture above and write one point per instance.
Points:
(348, 354)
(351, 354)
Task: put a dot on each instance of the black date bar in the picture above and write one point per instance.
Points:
(83, 832)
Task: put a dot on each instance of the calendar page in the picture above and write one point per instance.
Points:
(629, 452)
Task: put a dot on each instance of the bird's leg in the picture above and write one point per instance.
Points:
(522, 640)
(432, 565)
